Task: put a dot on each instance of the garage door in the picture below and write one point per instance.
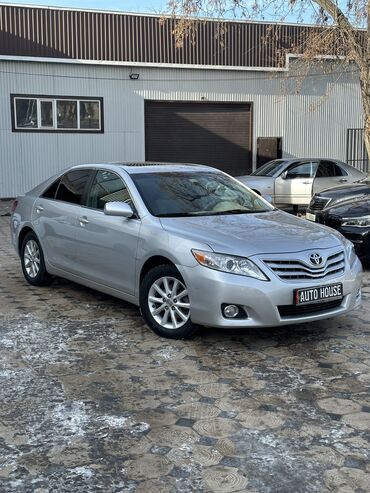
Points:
(216, 134)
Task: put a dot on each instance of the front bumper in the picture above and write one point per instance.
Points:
(209, 289)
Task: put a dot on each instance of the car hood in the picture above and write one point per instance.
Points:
(343, 191)
(251, 234)
(352, 208)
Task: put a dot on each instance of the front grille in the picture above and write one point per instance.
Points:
(310, 309)
(288, 270)
(318, 203)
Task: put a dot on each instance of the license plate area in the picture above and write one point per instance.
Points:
(318, 294)
(311, 217)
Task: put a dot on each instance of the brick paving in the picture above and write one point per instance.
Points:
(92, 401)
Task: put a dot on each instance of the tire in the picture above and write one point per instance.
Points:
(164, 312)
(33, 263)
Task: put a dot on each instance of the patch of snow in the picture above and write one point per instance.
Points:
(125, 423)
(114, 421)
(71, 419)
(84, 471)
(166, 353)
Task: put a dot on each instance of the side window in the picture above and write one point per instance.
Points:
(339, 171)
(51, 190)
(72, 186)
(107, 187)
(26, 113)
(302, 170)
(329, 169)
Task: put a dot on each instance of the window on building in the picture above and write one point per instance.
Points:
(47, 117)
(67, 114)
(58, 114)
(89, 114)
(26, 113)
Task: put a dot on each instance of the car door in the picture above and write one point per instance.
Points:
(55, 218)
(329, 174)
(107, 245)
(294, 186)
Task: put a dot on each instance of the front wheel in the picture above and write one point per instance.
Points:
(33, 263)
(165, 303)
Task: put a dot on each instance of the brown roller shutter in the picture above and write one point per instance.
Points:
(216, 134)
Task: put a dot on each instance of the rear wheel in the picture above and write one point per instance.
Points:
(165, 303)
(33, 263)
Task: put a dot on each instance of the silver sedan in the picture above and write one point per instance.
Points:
(294, 181)
(189, 244)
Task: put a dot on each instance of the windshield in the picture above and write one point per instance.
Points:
(176, 194)
(270, 168)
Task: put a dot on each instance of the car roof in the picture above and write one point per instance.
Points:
(133, 167)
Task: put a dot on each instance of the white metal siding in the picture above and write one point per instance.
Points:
(312, 123)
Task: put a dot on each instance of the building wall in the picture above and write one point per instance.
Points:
(128, 37)
(311, 123)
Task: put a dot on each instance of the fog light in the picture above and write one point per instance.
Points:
(231, 311)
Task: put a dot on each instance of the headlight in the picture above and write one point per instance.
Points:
(228, 263)
(350, 251)
(359, 222)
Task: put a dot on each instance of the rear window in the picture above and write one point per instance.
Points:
(51, 190)
(73, 185)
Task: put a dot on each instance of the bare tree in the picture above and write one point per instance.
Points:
(342, 32)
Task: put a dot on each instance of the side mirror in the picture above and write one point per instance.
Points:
(284, 175)
(121, 209)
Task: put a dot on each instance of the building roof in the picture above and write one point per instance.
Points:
(113, 37)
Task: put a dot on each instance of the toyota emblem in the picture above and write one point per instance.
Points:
(316, 259)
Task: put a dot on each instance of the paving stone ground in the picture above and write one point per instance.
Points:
(92, 401)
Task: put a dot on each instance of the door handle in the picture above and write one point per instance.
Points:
(39, 208)
(83, 220)
(343, 180)
(306, 183)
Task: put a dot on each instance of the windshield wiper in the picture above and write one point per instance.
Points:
(236, 211)
(175, 214)
(210, 213)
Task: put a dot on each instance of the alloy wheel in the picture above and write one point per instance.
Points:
(32, 259)
(168, 302)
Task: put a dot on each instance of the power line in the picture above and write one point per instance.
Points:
(277, 76)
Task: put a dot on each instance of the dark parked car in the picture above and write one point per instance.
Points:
(346, 209)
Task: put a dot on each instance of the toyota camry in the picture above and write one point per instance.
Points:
(187, 243)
